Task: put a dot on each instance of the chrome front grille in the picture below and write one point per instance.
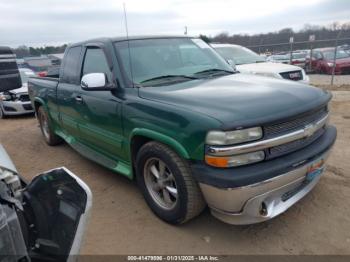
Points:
(289, 126)
(281, 138)
(293, 75)
(24, 98)
(284, 149)
(296, 123)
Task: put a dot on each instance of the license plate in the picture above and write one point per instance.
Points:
(315, 170)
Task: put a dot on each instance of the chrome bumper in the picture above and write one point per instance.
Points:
(261, 201)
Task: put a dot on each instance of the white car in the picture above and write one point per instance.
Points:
(17, 101)
(248, 62)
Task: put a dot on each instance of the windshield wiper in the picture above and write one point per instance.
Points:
(214, 71)
(167, 76)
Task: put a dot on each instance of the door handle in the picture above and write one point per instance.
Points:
(79, 99)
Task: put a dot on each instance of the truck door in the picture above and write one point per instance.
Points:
(100, 111)
(68, 96)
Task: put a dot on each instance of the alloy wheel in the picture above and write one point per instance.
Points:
(160, 183)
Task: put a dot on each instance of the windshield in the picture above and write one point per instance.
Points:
(329, 55)
(162, 59)
(25, 75)
(280, 57)
(299, 55)
(240, 55)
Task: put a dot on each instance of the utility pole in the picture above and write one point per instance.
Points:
(335, 57)
(185, 30)
(312, 39)
(291, 41)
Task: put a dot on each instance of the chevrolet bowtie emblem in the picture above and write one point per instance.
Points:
(309, 130)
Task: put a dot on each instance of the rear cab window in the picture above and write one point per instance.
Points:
(71, 67)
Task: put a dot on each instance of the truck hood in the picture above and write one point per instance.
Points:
(240, 100)
(266, 67)
(5, 161)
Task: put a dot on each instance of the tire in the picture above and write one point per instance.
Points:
(46, 129)
(2, 115)
(174, 173)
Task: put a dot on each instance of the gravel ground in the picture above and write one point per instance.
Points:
(121, 223)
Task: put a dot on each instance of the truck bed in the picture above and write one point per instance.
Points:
(44, 86)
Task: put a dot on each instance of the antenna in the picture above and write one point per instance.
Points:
(127, 38)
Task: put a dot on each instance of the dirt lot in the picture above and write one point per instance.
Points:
(121, 222)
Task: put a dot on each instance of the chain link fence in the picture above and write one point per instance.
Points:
(309, 47)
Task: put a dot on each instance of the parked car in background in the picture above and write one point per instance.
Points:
(345, 47)
(279, 58)
(17, 101)
(322, 61)
(52, 71)
(41, 220)
(42, 73)
(247, 61)
(299, 59)
(172, 114)
(37, 63)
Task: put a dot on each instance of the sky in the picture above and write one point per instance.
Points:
(51, 22)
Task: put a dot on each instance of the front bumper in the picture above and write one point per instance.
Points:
(262, 201)
(259, 192)
(16, 107)
(305, 80)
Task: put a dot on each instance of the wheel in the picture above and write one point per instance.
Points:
(2, 115)
(167, 184)
(50, 137)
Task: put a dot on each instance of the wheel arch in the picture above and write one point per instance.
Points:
(141, 136)
(38, 102)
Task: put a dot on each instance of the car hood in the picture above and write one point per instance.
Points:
(21, 90)
(266, 67)
(5, 161)
(240, 100)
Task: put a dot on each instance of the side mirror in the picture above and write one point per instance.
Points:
(95, 82)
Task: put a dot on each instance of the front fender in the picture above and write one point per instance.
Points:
(41, 102)
(156, 136)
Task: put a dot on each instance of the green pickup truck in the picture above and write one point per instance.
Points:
(172, 114)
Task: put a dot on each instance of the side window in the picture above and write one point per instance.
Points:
(317, 55)
(71, 66)
(95, 62)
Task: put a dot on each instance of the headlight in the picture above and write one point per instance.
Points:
(4, 97)
(238, 160)
(233, 137)
(330, 64)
